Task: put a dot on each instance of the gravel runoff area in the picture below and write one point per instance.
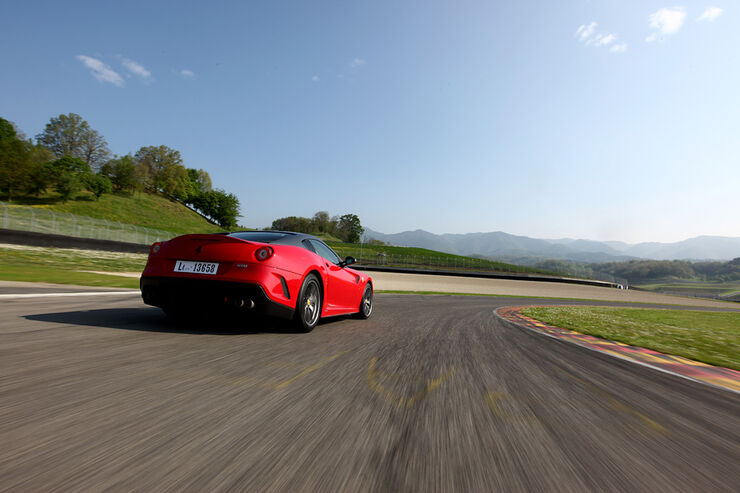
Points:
(385, 281)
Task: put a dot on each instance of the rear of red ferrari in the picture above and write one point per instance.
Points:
(214, 273)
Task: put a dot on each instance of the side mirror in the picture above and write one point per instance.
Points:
(347, 261)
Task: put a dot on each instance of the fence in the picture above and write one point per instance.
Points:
(41, 220)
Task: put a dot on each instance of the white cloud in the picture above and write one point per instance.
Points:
(604, 39)
(101, 71)
(357, 63)
(710, 14)
(668, 20)
(188, 74)
(651, 37)
(315, 78)
(620, 48)
(136, 69)
(585, 31)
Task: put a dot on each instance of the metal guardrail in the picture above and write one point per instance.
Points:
(40, 220)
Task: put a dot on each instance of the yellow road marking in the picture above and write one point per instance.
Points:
(393, 398)
(431, 385)
(371, 381)
(308, 370)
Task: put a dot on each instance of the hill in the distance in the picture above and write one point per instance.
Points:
(500, 245)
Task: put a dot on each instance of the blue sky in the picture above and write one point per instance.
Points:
(606, 120)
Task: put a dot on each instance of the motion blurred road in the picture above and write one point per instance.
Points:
(433, 393)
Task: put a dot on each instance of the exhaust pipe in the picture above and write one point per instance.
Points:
(243, 303)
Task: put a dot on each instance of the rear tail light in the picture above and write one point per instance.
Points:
(263, 253)
(155, 248)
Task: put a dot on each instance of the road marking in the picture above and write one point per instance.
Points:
(616, 403)
(402, 401)
(308, 370)
(431, 385)
(61, 295)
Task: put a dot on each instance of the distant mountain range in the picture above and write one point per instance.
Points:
(504, 246)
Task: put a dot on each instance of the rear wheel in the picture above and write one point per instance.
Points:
(366, 303)
(308, 308)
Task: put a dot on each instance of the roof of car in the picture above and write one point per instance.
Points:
(275, 237)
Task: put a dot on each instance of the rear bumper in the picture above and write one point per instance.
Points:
(223, 296)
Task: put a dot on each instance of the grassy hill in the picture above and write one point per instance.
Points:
(140, 209)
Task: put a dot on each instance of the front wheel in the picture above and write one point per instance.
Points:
(366, 303)
(308, 308)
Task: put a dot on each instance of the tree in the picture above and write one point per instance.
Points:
(67, 164)
(293, 223)
(15, 165)
(98, 185)
(227, 210)
(220, 206)
(201, 180)
(121, 172)
(162, 168)
(68, 185)
(321, 222)
(41, 174)
(70, 135)
(7, 130)
(39, 179)
(349, 228)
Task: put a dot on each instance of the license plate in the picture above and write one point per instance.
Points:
(196, 267)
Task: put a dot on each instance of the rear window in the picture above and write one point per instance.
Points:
(259, 236)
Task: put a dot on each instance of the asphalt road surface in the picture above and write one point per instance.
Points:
(433, 393)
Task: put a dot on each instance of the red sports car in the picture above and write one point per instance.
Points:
(279, 273)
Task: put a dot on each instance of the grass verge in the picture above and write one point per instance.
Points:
(64, 266)
(709, 337)
(31, 273)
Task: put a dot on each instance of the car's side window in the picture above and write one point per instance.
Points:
(325, 251)
(307, 245)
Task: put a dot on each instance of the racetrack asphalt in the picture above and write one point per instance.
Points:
(432, 393)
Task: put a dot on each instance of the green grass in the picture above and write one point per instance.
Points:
(695, 288)
(65, 266)
(142, 209)
(709, 337)
(32, 273)
(421, 258)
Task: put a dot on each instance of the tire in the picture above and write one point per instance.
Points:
(308, 306)
(366, 303)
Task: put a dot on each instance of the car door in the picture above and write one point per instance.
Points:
(341, 285)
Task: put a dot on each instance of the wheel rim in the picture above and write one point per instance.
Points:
(367, 302)
(311, 304)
